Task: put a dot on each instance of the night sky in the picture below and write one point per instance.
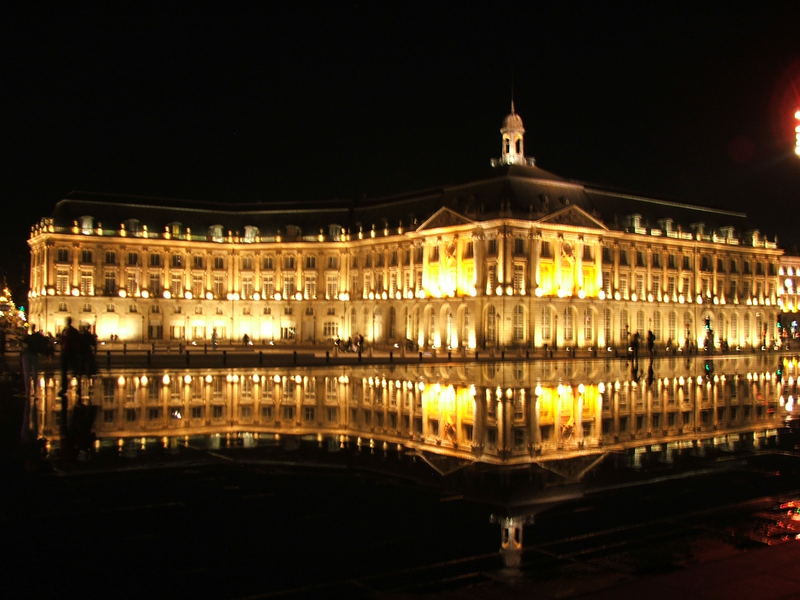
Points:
(684, 102)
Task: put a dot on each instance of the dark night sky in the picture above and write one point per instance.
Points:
(686, 102)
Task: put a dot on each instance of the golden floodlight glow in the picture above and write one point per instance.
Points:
(209, 379)
(165, 380)
(145, 294)
(143, 380)
(187, 379)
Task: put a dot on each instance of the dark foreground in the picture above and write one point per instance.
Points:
(302, 519)
(303, 522)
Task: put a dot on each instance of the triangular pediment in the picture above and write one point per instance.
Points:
(444, 217)
(573, 215)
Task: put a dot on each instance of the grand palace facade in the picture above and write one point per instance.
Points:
(518, 258)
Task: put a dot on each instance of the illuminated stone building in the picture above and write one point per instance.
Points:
(500, 413)
(518, 257)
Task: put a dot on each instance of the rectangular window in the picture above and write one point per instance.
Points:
(247, 287)
(110, 283)
(247, 263)
(176, 285)
(155, 260)
(86, 257)
(289, 288)
(197, 286)
(288, 263)
(132, 282)
(154, 284)
(87, 283)
(133, 259)
(62, 281)
(269, 286)
(656, 258)
(266, 263)
(311, 262)
(198, 262)
(333, 262)
(309, 285)
(492, 247)
(219, 262)
(177, 261)
(111, 258)
(218, 286)
(519, 278)
(62, 255)
(332, 287)
(640, 286)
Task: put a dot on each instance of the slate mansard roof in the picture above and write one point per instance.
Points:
(513, 191)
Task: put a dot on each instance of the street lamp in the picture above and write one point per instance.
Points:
(797, 132)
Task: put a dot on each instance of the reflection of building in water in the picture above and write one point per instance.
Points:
(497, 413)
(516, 257)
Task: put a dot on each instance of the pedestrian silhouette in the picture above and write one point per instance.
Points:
(70, 346)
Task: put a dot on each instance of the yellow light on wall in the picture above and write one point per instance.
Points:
(165, 380)
(145, 294)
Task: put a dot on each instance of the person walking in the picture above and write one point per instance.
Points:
(70, 347)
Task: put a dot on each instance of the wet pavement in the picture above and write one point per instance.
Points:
(299, 521)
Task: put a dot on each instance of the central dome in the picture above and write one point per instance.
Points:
(513, 121)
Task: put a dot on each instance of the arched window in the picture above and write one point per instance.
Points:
(672, 325)
(624, 328)
(588, 325)
(519, 324)
(569, 325)
(547, 324)
(491, 325)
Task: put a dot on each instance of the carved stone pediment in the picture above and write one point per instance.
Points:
(573, 215)
(444, 217)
